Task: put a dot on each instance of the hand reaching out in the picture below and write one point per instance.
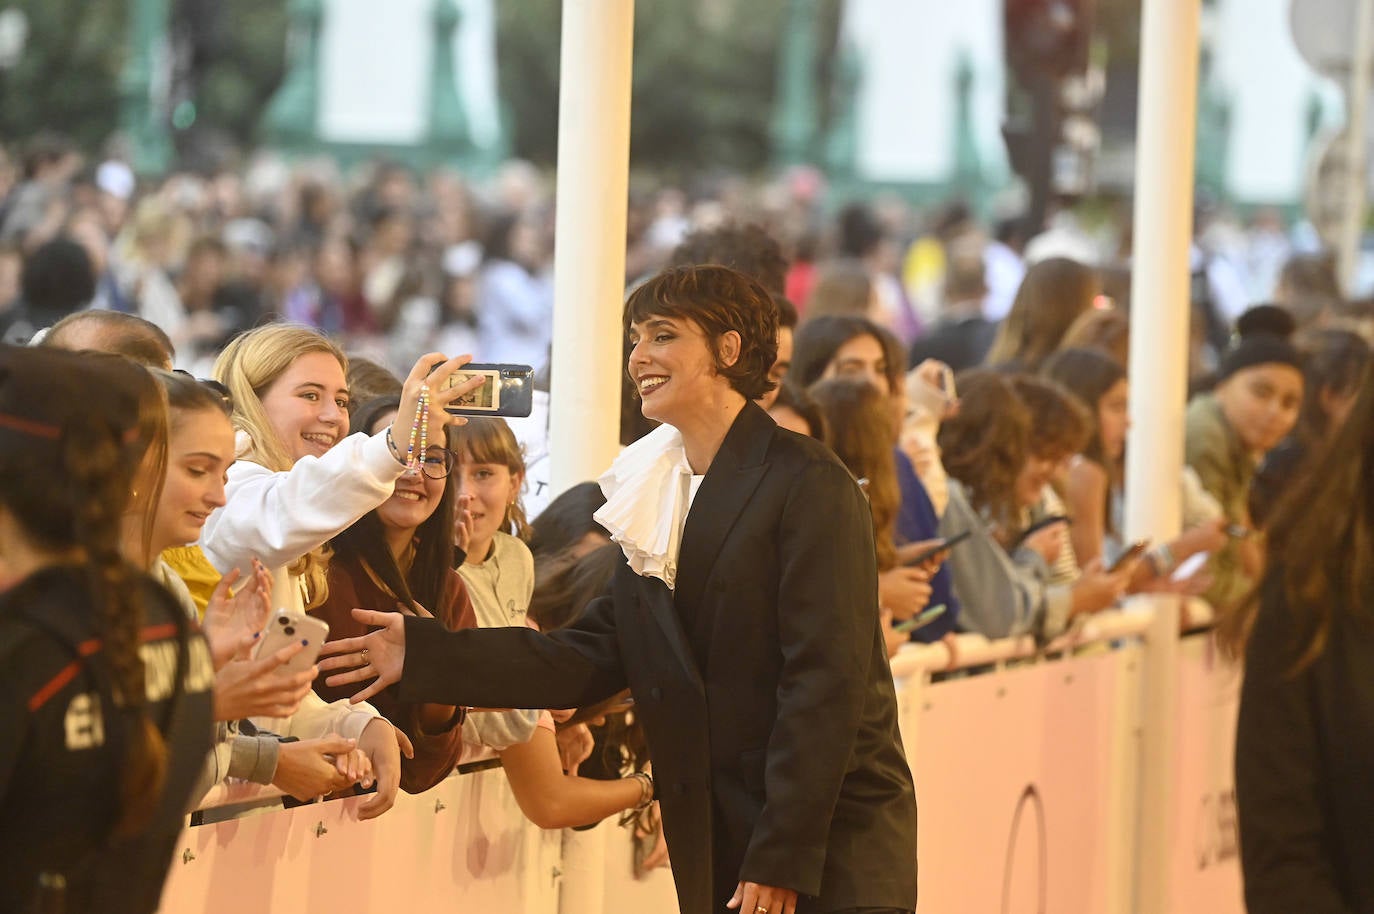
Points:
(380, 654)
(383, 745)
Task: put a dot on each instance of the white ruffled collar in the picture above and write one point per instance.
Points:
(648, 492)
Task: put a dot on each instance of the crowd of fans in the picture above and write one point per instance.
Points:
(974, 383)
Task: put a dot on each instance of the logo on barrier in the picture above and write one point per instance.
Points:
(1218, 833)
(1030, 797)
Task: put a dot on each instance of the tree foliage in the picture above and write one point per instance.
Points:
(67, 78)
(704, 79)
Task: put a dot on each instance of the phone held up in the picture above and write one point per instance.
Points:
(287, 626)
(507, 391)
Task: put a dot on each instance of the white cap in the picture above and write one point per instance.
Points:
(116, 179)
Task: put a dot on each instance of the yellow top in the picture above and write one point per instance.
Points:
(191, 565)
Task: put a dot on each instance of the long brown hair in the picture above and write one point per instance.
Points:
(1089, 374)
(985, 444)
(101, 418)
(1321, 541)
(426, 581)
(1051, 297)
(860, 420)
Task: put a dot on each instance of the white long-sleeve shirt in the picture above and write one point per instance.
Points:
(278, 517)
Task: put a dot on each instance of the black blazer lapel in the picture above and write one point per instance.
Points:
(729, 484)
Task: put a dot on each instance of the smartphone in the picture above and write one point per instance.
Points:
(1189, 566)
(287, 626)
(508, 391)
(1135, 551)
(944, 544)
(921, 619)
(1041, 524)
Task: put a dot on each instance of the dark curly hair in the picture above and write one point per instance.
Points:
(747, 248)
(984, 446)
(718, 300)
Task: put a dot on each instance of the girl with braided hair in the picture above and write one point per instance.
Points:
(104, 688)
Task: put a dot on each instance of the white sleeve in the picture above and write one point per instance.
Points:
(315, 719)
(279, 517)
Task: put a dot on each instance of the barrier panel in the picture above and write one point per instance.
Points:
(1205, 867)
(1028, 784)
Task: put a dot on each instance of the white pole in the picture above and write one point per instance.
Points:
(1165, 133)
(589, 252)
(1352, 222)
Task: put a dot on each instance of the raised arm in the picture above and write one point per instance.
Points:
(514, 667)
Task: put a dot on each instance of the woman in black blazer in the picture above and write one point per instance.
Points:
(753, 651)
(1305, 737)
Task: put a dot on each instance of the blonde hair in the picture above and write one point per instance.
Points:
(248, 366)
(490, 440)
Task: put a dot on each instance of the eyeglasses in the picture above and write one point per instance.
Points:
(438, 461)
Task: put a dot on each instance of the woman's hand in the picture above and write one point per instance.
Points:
(380, 654)
(908, 551)
(230, 618)
(1098, 588)
(752, 898)
(892, 639)
(905, 591)
(261, 688)
(575, 746)
(462, 523)
(383, 744)
(432, 372)
(1048, 542)
(306, 768)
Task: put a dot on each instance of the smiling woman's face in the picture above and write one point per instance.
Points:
(673, 368)
(308, 405)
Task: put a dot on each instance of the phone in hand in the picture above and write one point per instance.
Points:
(508, 390)
(1041, 524)
(921, 619)
(943, 545)
(286, 626)
(1133, 552)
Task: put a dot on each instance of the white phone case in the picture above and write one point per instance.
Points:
(286, 626)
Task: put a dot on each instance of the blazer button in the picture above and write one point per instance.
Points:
(656, 693)
(680, 789)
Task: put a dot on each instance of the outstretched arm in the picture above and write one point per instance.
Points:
(513, 667)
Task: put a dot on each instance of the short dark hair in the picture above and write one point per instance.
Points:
(123, 334)
(58, 275)
(718, 300)
(747, 248)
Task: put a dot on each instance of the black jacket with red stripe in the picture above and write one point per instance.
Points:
(61, 745)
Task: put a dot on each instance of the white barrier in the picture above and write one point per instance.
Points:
(1028, 784)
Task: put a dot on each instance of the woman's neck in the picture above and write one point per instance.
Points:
(704, 431)
(400, 540)
(479, 552)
